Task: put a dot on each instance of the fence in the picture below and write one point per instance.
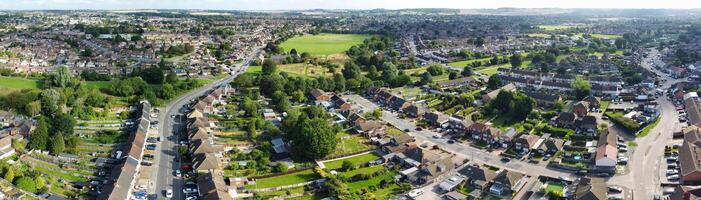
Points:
(345, 155)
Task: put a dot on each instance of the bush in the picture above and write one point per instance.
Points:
(26, 184)
(347, 165)
(629, 124)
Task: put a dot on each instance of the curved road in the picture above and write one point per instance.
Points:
(162, 172)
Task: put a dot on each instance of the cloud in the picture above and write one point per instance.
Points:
(337, 4)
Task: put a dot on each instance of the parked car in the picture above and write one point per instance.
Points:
(672, 172)
(673, 177)
(415, 193)
(615, 189)
(169, 193)
(177, 173)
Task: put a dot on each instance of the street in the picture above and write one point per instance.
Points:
(163, 170)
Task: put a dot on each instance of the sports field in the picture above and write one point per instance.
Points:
(323, 44)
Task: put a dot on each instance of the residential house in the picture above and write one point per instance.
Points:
(211, 185)
(690, 156)
(581, 108)
(205, 162)
(456, 83)
(435, 119)
(526, 143)
(478, 177)
(6, 149)
(566, 120)
(587, 123)
(594, 102)
(507, 182)
(319, 95)
(550, 145)
(493, 94)
(483, 133)
(589, 188)
(415, 110)
(544, 99)
(606, 150)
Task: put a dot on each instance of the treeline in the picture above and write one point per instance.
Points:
(177, 50)
(120, 29)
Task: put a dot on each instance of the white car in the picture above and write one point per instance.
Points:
(673, 177)
(415, 193)
(672, 172)
(169, 193)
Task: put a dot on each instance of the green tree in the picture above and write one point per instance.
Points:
(314, 139)
(494, 82)
(49, 102)
(516, 60)
(523, 105)
(40, 135)
(40, 182)
(281, 167)
(269, 67)
(61, 78)
(171, 77)
(503, 102)
(299, 96)
(167, 91)
(581, 87)
(280, 101)
(249, 107)
(33, 108)
(466, 71)
(153, 75)
(347, 165)
(9, 174)
(57, 144)
(426, 78)
(27, 184)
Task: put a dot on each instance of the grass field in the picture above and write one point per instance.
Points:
(467, 62)
(288, 179)
(348, 144)
(305, 70)
(555, 27)
(255, 70)
(323, 44)
(18, 83)
(357, 160)
(98, 84)
(539, 35)
(602, 36)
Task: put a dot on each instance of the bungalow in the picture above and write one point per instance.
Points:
(478, 177)
(606, 150)
(456, 83)
(587, 123)
(550, 145)
(451, 183)
(432, 171)
(398, 103)
(340, 103)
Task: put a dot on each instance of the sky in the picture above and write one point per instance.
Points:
(336, 4)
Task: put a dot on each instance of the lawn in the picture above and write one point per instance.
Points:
(555, 27)
(288, 179)
(539, 35)
(255, 70)
(464, 63)
(323, 44)
(364, 170)
(371, 182)
(98, 84)
(305, 70)
(554, 188)
(357, 160)
(348, 144)
(395, 132)
(407, 91)
(18, 83)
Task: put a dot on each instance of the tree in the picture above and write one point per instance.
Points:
(523, 105)
(269, 67)
(40, 136)
(57, 144)
(581, 87)
(494, 82)
(347, 165)
(49, 102)
(249, 107)
(479, 41)
(280, 101)
(10, 174)
(293, 51)
(40, 182)
(281, 167)
(152, 75)
(516, 60)
(61, 78)
(27, 184)
(466, 71)
(426, 78)
(452, 75)
(435, 70)
(33, 108)
(171, 77)
(503, 101)
(63, 123)
(167, 91)
(314, 139)
(299, 96)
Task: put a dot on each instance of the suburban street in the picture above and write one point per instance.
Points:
(163, 169)
(644, 177)
(463, 150)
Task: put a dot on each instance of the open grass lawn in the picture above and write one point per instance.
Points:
(288, 179)
(464, 63)
(395, 132)
(407, 91)
(273, 194)
(323, 44)
(255, 70)
(9, 84)
(305, 70)
(389, 176)
(98, 84)
(539, 35)
(364, 170)
(649, 127)
(555, 27)
(357, 160)
(351, 144)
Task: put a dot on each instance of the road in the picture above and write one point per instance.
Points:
(644, 177)
(163, 170)
(463, 150)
